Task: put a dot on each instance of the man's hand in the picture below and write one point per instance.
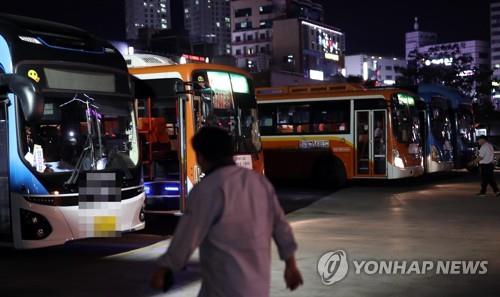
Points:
(158, 278)
(293, 278)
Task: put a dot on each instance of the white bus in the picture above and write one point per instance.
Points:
(70, 165)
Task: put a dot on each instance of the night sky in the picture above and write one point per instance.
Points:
(371, 26)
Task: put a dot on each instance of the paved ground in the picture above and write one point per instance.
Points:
(433, 219)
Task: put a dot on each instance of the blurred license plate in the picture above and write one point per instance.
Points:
(244, 161)
(104, 225)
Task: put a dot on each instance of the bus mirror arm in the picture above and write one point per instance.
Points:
(31, 101)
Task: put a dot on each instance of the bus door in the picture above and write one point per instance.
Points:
(161, 124)
(371, 143)
(5, 226)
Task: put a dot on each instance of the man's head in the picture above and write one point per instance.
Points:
(482, 139)
(212, 146)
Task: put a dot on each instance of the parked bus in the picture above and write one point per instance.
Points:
(450, 129)
(70, 164)
(438, 148)
(216, 95)
(332, 133)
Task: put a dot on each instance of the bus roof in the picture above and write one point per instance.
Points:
(186, 70)
(33, 24)
(314, 91)
(426, 91)
(40, 40)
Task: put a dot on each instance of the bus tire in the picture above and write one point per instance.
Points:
(329, 172)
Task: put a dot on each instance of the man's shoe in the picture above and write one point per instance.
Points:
(481, 194)
(497, 194)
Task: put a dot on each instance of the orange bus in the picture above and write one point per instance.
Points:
(214, 95)
(332, 133)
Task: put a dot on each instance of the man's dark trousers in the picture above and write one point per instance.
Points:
(488, 177)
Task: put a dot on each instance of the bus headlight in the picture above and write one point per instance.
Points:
(435, 154)
(34, 226)
(398, 161)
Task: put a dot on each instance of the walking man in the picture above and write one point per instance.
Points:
(486, 161)
(232, 215)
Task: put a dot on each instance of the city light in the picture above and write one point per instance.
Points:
(333, 57)
(316, 75)
(365, 70)
(309, 24)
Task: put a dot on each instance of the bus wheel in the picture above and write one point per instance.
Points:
(329, 172)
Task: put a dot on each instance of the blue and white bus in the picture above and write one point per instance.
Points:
(438, 134)
(69, 156)
(461, 115)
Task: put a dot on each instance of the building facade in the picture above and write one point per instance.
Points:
(495, 37)
(418, 38)
(478, 50)
(383, 70)
(146, 14)
(252, 32)
(444, 53)
(311, 48)
(209, 25)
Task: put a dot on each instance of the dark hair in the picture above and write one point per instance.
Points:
(482, 137)
(215, 144)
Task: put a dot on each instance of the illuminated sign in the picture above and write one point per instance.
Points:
(405, 99)
(195, 58)
(316, 75)
(466, 73)
(333, 57)
(442, 61)
(365, 70)
(321, 28)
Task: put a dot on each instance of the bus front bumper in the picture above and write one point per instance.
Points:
(411, 171)
(107, 219)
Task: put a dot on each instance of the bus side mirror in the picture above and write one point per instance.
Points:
(32, 103)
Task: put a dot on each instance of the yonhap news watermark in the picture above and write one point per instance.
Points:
(334, 266)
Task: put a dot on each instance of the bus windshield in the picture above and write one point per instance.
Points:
(406, 122)
(440, 119)
(72, 135)
(465, 121)
(227, 100)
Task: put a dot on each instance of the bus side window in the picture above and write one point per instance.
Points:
(267, 114)
(293, 119)
(331, 117)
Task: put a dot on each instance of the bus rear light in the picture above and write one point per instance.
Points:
(34, 226)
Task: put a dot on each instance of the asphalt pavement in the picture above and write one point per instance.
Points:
(433, 219)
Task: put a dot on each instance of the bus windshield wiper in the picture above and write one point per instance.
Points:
(89, 144)
(76, 172)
